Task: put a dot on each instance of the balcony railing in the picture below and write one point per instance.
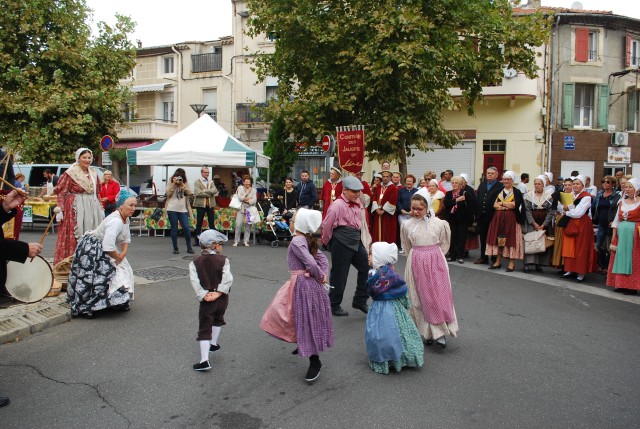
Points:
(156, 129)
(206, 62)
(250, 113)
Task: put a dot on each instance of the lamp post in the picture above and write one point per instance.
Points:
(198, 108)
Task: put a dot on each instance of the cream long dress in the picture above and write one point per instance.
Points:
(425, 242)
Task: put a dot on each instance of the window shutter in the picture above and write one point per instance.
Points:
(631, 108)
(582, 44)
(603, 106)
(568, 90)
(627, 51)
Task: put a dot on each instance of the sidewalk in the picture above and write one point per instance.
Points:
(21, 320)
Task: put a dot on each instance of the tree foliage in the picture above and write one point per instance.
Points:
(280, 150)
(388, 64)
(59, 85)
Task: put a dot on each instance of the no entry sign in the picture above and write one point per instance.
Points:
(326, 143)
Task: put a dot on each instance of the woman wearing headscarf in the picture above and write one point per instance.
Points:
(78, 191)
(425, 239)
(437, 198)
(538, 210)
(391, 337)
(504, 238)
(556, 260)
(578, 239)
(624, 264)
(312, 321)
(100, 275)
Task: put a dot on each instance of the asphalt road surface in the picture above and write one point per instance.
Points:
(533, 351)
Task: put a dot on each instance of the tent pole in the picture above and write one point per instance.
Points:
(128, 174)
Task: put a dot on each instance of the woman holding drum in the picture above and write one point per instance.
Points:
(101, 276)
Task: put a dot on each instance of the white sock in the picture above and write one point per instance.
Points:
(568, 273)
(215, 333)
(580, 277)
(441, 340)
(204, 351)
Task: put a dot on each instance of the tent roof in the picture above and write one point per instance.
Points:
(204, 142)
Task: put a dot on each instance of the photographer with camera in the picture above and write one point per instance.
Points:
(179, 208)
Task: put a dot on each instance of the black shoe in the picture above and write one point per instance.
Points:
(629, 292)
(494, 267)
(202, 366)
(295, 352)
(481, 261)
(509, 269)
(441, 342)
(88, 315)
(190, 251)
(619, 290)
(4, 401)
(339, 311)
(538, 268)
(461, 261)
(314, 372)
(176, 251)
(449, 259)
(214, 348)
(525, 269)
(428, 342)
(362, 307)
(122, 307)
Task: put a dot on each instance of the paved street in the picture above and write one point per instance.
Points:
(531, 353)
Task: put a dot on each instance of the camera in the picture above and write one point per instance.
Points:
(179, 179)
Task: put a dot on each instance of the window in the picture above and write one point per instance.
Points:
(494, 145)
(127, 112)
(167, 65)
(593, 46)
(210, 98)
(583, 106)
(271, 93)
(586, 47)
(633, 52)
(167, 107)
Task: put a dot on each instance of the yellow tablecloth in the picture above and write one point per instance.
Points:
(41, 208)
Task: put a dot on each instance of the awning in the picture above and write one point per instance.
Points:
(154, 87)
(131, 145)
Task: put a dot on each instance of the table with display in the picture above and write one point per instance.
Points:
(38, 210)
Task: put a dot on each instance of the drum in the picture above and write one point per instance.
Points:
(31, 281)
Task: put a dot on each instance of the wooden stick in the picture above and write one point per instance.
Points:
(46, 231)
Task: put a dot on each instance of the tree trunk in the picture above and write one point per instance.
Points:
(402, 162)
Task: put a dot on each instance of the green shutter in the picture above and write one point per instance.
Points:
(631, 108)
(603, 106)
(568, 90)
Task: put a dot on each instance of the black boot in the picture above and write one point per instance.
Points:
(314, 368)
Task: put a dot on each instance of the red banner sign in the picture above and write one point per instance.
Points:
(351, 150)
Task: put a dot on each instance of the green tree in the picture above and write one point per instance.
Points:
(388, 64)
(59, 85)
(280, 150)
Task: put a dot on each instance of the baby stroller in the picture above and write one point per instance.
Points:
(277, 228)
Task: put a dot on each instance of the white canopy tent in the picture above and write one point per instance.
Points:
(204, 142)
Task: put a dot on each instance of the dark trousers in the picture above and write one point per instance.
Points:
(211, 314)
(483, 229)
(458, 240)
(341, 260)
(200, 212)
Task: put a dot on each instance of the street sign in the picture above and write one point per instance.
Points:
(106, 142)
(326, 143)
(106, 159)
(569, 139)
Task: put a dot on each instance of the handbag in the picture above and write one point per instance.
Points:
(572, 229)
(534, 242)
(502, 241)
(254, 216)
(549, 241)
(235, 202)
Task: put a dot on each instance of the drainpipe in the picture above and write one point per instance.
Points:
(553, 81)
(177, 97)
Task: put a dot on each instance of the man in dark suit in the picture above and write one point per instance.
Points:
(307, 194)
(487, 193)
(11, 250)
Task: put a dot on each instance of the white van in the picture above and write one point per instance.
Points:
(33, 173)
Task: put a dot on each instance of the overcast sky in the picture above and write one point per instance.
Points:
(185, 20)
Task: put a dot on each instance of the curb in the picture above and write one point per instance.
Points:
(22, 320)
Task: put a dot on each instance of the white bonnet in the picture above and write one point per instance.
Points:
(383, 253)
(308, 221)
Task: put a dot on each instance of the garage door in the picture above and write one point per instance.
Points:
(460, 159)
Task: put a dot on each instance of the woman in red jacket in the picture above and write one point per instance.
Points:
(108, 191)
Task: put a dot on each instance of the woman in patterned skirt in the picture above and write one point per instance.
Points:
(390, 335)
(504, 238)
(624, 263)
(425, 239)
(100, 275)
(538, 218)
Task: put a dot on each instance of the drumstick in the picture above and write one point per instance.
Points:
(13, 187)
(55, 212)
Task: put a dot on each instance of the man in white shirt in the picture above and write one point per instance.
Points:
(522, 186)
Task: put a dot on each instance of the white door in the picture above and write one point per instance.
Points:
(460, 159)
(635, 170)
(586, 168)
